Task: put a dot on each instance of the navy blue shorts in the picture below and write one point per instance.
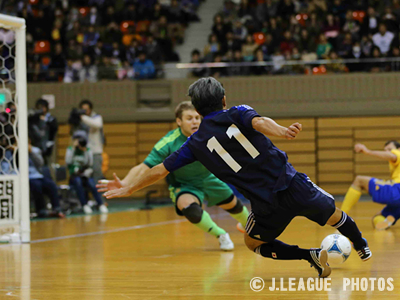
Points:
(384, 191)
(301, 198)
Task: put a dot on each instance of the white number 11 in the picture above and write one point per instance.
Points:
(232, 131)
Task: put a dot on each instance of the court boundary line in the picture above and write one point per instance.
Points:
(135, 227)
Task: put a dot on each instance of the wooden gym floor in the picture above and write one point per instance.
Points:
(157, 255)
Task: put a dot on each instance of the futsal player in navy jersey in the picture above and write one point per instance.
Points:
(233, 145)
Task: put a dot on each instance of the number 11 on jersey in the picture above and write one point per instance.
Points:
(233, 131)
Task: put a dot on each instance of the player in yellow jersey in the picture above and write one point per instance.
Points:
(382, 191)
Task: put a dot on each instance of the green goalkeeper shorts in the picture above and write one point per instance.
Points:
(214, 191)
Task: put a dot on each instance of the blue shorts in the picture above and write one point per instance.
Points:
(301, 198)
(384, 192)
(390, 210)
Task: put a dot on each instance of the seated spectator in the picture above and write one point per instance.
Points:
(323, 47)
(390, 19)
(162, 33)
(153, 50)
(230, 43)
(220, 29)
(266, 10)
(74, 51)
(97, 51)
(286, 8)
(395, 65)
(366, 45)
(245, 10)
(331, 28)
(157, 11)
(269, 46)
(106, 70)
(218, 71)
(79, 160)
(196, 59)
(260, 70)
(143, 67)
(41, 185)
(91, 37)
(93, 18)
(130, 13)
(318, 6)
(377, 67)
(132, 50)
(110, 16)
(117, 54)
(71, 73)
(351, 25)
(112, 34)
(296, 55)
(306, 44)
(288, 43)
(337, 66)
(212, 47)
(58, 61)
(345, 46)
(383, 39)
(229, 12)
(278, 59)
(238, 70)
(313, 25)
(356, 52)
(248, 48)
(126, 72)
(239, 31)
(371, 21)
(89, 70)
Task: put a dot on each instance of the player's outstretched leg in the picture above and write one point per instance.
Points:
(346, 226)
(191, 209)
(237, 210)
(354, 192)
(381, 222)
(278, 250)
(386, 218)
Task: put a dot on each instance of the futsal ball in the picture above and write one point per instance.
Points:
(338, 247)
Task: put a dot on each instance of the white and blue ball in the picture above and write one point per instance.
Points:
(338, 247)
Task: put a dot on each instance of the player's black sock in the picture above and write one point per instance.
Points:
(279, 250)
(348, 228)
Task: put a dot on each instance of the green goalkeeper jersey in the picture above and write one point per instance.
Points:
(193, 174)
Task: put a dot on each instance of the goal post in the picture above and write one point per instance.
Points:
(14, 159)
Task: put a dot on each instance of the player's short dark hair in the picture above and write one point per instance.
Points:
(395, 143)
(42, 103)
(185, 105)
(86, 101)
(207, 94)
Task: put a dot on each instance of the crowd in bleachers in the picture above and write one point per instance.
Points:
(91, 40)
(302, 30)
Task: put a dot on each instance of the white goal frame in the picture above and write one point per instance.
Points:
(21, 186)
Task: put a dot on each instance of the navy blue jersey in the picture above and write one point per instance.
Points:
(228, 146)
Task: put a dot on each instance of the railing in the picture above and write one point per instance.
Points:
(227, 69)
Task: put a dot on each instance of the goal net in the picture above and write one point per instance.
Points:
(14, 163)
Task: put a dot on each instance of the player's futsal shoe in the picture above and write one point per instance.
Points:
(87, 210)
(364, 252)
(384, 224)
(319, 260)
(240, 227)
(225, 242)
